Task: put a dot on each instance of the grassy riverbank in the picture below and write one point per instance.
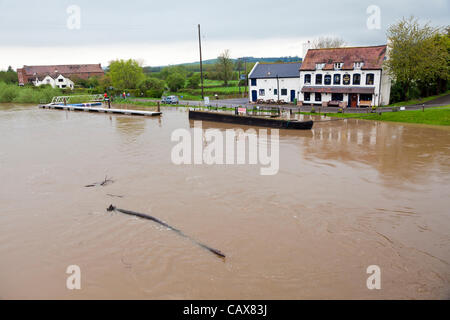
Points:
(434, 116)
(16, 94)
(417, 101)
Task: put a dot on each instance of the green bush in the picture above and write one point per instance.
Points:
(313, 110)
(27, 94)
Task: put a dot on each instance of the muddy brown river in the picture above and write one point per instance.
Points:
(348, 194)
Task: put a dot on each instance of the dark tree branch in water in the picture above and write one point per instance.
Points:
(102, 184)
(148, 217)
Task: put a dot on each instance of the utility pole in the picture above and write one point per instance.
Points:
(278, 88)
(239, 77)
(246, 79)
(201, 63)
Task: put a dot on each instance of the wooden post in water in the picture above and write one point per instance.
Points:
(158, 107)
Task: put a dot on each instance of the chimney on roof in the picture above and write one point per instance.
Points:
(306, 47)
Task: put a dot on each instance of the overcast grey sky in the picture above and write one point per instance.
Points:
(165, 32)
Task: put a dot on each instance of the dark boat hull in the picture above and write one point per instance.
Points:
(250, 121)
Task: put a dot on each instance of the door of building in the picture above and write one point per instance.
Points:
(254, 95)
(353, 100)
(292, 95)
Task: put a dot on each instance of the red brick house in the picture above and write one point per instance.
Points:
(28, 74)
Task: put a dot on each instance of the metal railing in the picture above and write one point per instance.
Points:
(77, 99)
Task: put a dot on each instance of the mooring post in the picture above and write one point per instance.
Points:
(236, 111)
(65, 102)
(158, 106)
(423, 107)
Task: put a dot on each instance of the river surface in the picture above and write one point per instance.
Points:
(348, 194)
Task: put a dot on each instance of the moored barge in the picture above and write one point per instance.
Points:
(251, 120)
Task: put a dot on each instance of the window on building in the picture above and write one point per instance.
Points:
(346, 79)
(284, 92)
(275, 91)
(327, 79)
(319, 66)
(358, 65)
(63, 86)
(370, 79)
(337, 79)
(365, 97)
(307, 96)
(338, 65)
(262, 92)
(60, 80)
(307, 78)
(318, 79)
(253, 82)
(356, 79)
(318, 96)
(337, 97)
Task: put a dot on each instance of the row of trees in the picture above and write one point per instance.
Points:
(129, 74)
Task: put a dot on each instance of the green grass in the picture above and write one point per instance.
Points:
(14, 93)
(418, 101)
(434, 116)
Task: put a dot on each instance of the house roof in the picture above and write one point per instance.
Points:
(272, 70)
(63, 69)
(372, 57)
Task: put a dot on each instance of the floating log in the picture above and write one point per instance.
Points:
(101, 184)
(148, 217)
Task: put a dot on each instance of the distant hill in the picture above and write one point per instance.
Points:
(193, 66)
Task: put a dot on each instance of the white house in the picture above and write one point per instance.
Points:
(348, 77)
(59, 81)
(274, 82)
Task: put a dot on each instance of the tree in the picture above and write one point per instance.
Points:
(9, 76)
(176, 81)
(152, 87)
(418, 56)
(328, 42)
(125, 74)
(194, 81)
(167, 71)
(224, 67)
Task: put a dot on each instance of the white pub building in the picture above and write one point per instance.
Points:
(274, 82)
(344, 77)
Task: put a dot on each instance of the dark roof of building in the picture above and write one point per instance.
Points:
(63, 69)
(372, 57)
(272, 70)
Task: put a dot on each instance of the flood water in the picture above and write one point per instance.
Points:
(348, 194)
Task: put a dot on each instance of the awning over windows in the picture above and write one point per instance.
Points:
(334, 89)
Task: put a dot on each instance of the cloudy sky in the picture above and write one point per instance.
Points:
(165, 32)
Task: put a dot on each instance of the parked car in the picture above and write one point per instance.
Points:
(170, 100)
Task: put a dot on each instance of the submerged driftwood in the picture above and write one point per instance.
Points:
(148, 217)
(101, 184)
